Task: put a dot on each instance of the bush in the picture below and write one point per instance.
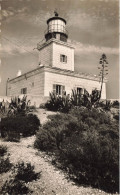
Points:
(87, 143)
(94, 160)
(21, 174)
(3, 150)
(94, 114)
(25, 172)
(42, 105)
(12, 136)
(14, 187)
(115, 104)
(51, 134)
(5, 165)
(12, 127)
(116, 116)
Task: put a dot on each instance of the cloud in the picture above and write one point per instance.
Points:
(87, 48)
(24, 0)
(6, 13)
(80, 48)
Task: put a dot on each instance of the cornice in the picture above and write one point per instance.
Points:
(57, 71)
(53, 40)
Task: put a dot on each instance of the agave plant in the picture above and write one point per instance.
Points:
(76, 98)
(18, 106)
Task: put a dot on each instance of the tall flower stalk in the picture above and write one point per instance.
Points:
(103, 67)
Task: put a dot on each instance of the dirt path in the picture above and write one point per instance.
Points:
(43, 114)
(52, 181)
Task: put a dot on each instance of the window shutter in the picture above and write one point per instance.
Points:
(54, 88)
(66, 59)
(25, 90)
(60, 58)
(63, 90)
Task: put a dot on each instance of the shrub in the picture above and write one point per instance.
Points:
(12, 136)
(116, 116)
(87, 143)
(25, 172)
(21, 174)
(51, 134)
(3, 150)
(42, 105)
(95, 114)
(94, 159)
(115, 104)
(12, 127)
(14, 186)
(5, 165)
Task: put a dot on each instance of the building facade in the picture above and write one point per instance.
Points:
(56, 69)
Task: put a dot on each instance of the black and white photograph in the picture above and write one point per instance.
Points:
(59, 97)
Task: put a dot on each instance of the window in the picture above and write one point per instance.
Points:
(24, 91)
(63, 58)
(59, 89)
(79, 90)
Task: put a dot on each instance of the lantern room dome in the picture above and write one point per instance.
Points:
(56, 28)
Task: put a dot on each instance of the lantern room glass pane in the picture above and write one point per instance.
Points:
(56, 25)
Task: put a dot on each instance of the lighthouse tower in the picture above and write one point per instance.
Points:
(56, 51)
(56, 28)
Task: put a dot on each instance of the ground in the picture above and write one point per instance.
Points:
(52, 181)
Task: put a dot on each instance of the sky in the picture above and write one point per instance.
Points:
(93, 27)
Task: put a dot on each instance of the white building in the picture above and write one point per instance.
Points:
(56, 70)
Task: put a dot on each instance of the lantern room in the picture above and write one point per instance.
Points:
(56, 28)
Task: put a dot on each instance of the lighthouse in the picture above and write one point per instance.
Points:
(56, 51)
(56, 28)
(55, 72)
